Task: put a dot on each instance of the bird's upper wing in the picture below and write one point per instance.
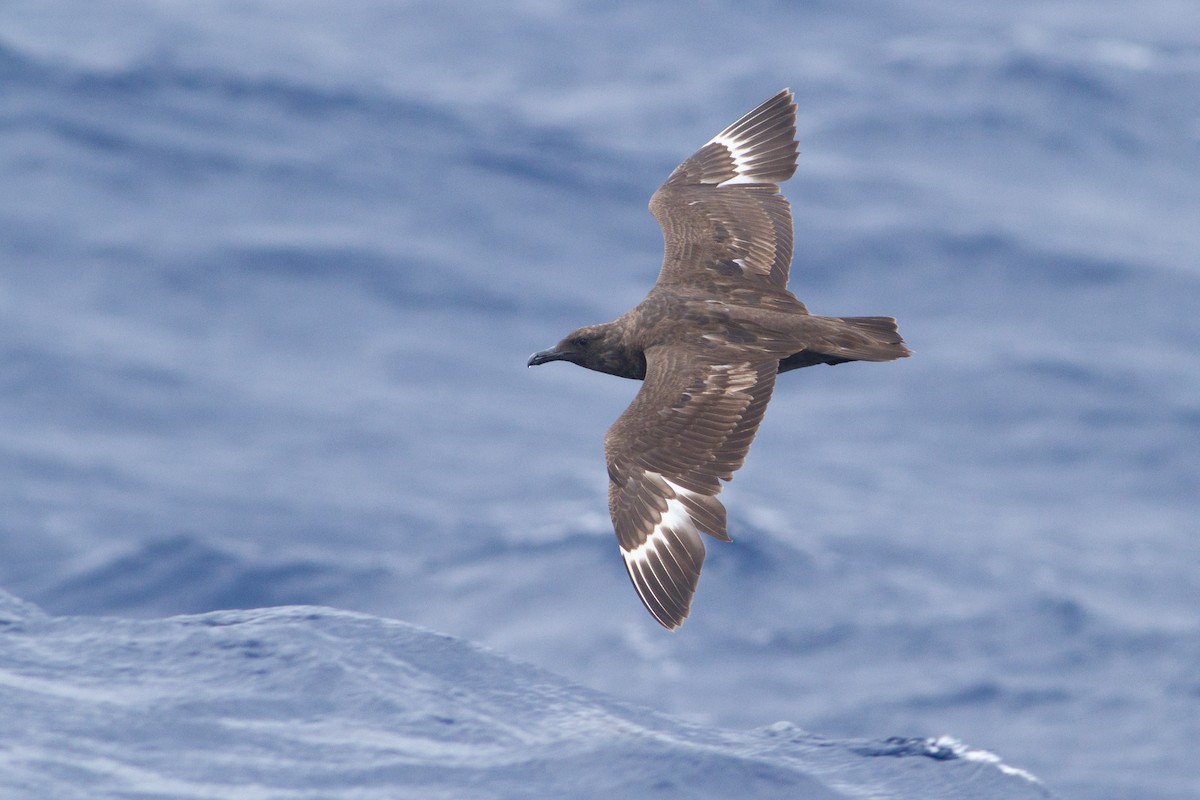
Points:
(725, 223)
(689, 428)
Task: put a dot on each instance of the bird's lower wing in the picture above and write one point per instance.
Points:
(688, 429)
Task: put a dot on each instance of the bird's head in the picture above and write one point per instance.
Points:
(598, 347)
(577, 347)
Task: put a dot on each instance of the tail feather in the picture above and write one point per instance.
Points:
(873, 339)
(852, 339)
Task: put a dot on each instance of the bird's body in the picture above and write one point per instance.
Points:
(783, 327)
(708, 341)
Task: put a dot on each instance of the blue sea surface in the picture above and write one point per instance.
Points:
(270, 272)
(312, 702)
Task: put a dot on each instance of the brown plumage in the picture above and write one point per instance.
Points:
(708, 341)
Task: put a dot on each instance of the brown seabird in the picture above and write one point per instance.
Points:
(707, 342)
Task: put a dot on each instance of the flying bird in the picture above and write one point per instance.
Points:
(707, 342)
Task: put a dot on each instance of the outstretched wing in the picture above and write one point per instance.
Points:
(724, 222)
(688, 429)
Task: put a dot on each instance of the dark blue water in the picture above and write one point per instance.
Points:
(269, 274)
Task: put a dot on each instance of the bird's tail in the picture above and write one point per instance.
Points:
(871, 339)
(842, 339)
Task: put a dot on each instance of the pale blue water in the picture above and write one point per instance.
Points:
(269, 273)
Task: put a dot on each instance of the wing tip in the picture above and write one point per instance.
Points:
(762, 143)
(665, 571)
(671, 618)
(760, 148)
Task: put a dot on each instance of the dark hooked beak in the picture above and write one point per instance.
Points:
(545, 355)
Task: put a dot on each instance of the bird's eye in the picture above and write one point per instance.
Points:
(580, 342)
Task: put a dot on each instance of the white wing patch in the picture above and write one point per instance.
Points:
(663, 567)
(742, 153)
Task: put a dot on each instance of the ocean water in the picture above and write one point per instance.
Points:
(312, 702)
(269, 274)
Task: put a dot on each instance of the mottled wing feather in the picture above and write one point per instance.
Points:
(724, 221)
(688, 429)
